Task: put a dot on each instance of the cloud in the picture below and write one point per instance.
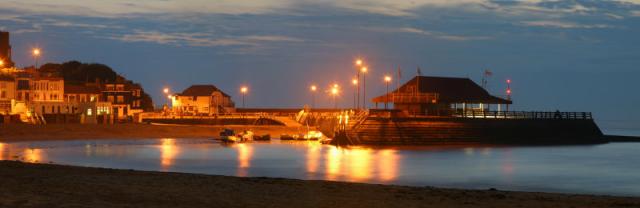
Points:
(432, 34)
(62, 23)
(201, 39)
(563, 25)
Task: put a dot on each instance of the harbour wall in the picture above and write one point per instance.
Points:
(398, 131)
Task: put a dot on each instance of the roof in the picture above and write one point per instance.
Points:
(449, 90)
(81, 89)
(201, 90)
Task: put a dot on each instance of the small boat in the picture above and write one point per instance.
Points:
(266, 137)
(246, 136)
(325, 140)
(287, 137)
(228, 135)
(313, 135)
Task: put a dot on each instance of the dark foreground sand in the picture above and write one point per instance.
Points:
(25, 132)
(45, 185)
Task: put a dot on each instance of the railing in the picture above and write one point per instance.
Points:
(220, 115)
(358, 119)
(525, 115)
(408, 98)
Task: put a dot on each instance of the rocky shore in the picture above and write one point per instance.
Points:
(47, 185)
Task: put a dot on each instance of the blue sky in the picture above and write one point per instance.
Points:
(566, 55)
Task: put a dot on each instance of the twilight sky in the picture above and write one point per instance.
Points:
(569, 55)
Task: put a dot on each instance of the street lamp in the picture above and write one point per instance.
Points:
(1, 63)
(313, 95)
(364, 86)
(358, 64)
(244, 91)
(334, 93)
(387, 80)
(166, 92)
(354, 81)
(36, 54)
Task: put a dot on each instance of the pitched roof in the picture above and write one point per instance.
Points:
(201, 90)
(450, 90)
(80, 89)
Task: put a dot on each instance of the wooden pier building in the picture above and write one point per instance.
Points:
(441, 96)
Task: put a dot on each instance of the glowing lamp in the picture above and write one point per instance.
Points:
(314, 88)
(387, 78)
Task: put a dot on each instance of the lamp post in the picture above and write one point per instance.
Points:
(36, 54)
(358, 63)
(166, 92)
(508, 92)
(364, 86)
(334, 93)
(387, 80)
(1, 63)
(354, 81)
(244, 91)
(313, 89)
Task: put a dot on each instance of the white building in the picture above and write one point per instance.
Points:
(47, 96)
(202, 100)
(7, 93)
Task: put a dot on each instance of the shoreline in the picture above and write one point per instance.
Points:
(62, 132)
(51, 185)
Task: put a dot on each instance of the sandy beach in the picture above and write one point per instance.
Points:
(47, 185)
(24, 132)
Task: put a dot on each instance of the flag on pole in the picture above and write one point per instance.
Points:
(399, 78)
(419, 71)
(488, 73)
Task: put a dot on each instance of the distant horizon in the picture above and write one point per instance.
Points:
(564, 55)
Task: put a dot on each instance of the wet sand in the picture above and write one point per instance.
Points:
(46, 185)
(24, 132)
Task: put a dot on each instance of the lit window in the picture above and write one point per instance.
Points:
(89, 112)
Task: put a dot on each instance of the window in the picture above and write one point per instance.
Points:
(120, 99)
(110, 98)
(89, 112)
(3, 94)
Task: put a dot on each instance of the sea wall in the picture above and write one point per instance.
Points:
(215, 121)
(380, 131)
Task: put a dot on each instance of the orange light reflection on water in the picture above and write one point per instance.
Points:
(2, 151)
(334, 159)
(32, 155)
(361, 164)
(388, 164)
(245, 152)
(168, 152)
(313, 155)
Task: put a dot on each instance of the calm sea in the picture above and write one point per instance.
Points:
(594, 169)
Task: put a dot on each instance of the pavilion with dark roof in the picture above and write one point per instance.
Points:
(440, 96)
